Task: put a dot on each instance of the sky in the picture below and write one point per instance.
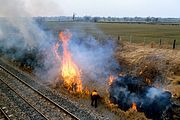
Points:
(114, 8)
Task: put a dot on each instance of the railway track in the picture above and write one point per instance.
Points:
(40, 105)
(3, 115)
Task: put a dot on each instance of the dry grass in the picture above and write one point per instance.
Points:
(128, 115)
(152, 62)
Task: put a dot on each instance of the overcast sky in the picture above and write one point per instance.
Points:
(116, 8)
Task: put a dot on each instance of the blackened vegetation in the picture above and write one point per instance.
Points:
(30, 58)
(155, 103)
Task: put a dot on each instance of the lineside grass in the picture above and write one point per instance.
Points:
(135, 33)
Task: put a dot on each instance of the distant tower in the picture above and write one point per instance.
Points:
(74, 14)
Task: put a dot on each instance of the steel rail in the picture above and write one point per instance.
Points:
(24, 99)
(4, 113)
(62, 108)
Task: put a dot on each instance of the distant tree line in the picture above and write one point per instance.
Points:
(109, 19)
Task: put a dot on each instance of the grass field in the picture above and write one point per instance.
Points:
(136, 33)
(134, 59)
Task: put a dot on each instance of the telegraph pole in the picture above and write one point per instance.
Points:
(74, 14)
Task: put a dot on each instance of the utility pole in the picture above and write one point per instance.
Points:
(74, 14)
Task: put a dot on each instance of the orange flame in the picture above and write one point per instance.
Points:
(86, 91)
(134, 106)
(70, 73)
(111, 79)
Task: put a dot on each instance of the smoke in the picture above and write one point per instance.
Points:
(25, 8)
(12, 8)
(43, 7)
(94, 57)
(153, 92)
(21, 38)
(17, 24)
(154, 102)
(1, 34)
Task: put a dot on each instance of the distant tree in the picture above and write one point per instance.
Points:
(96, 19)
(109, 19)
(148, 19)
(87, 18)
(125, 18)
(156, 20)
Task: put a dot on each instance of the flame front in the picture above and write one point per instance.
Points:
(111, 79)
(134, 106)
(70, 73)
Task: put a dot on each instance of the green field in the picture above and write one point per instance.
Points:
(136, 33)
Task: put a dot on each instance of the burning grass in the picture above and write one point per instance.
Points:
(70, 74)
(130, 114)
(150, 64)
(158, 67)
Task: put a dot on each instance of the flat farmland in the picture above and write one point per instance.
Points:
(135, 33)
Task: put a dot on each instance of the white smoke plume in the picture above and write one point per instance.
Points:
(18, 23)
(43, 7)
(95, 58)
(18, 30)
